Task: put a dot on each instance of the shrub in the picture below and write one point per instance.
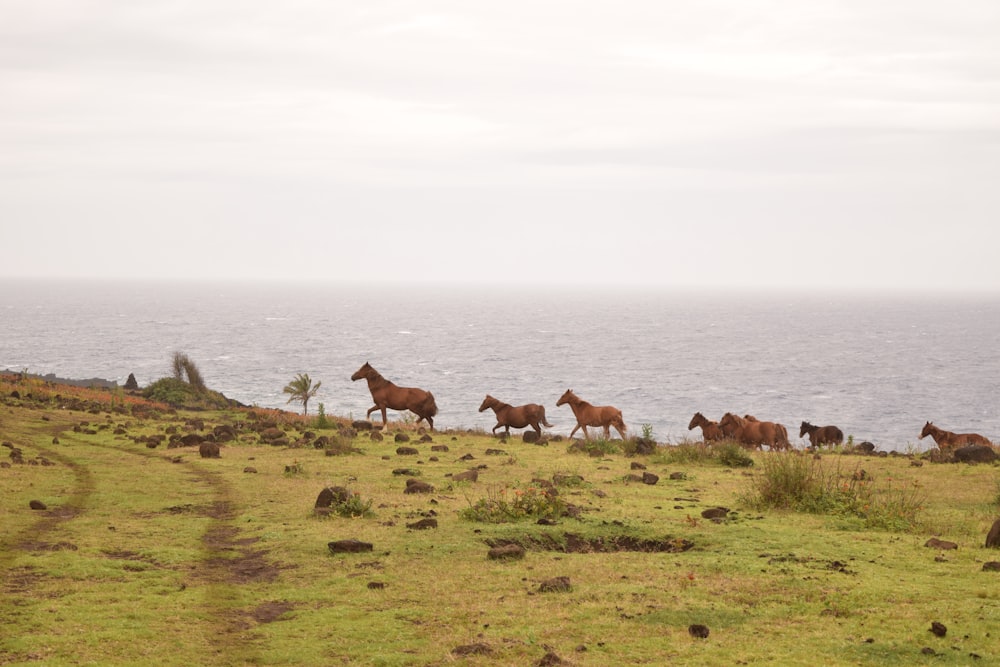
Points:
(792, 481)
(504, 504)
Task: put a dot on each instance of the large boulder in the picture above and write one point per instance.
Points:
(993, 537)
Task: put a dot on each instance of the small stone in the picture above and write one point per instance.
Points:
(349, 546)
(37, 505)
(698, 631)
(938, 629)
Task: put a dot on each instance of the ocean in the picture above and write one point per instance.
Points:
(878, 366)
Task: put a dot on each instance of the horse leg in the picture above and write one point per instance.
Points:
(538, 429)
(385, 422)
(575, 428)
(607, 432)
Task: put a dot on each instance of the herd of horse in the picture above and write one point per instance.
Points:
(746, 430)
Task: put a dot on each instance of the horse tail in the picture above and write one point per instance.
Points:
(782, 436)
(427, 407)
(545, 422)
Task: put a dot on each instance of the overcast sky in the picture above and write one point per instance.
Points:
(743, 143)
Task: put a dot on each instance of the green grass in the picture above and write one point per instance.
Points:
(157, 556)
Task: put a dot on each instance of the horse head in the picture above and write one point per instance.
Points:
(806, 428)
(488, 403)
(928, 429)
(363, 372)
(568, 397)
(697, 420)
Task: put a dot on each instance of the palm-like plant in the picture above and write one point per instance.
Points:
(301, 389)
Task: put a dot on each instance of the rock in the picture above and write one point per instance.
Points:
(332, 494)
(426, 437)
(37, 505)
(423, 524)
(349, 546)
(209, 450)
(376, 436)
(439, 448)
(678, 475)
(506, 552)
(935, 543)
(698, 631)
(361, 425)
(550, 659)
(993, 537)
(866, 447)
(555, 585)
(250, 469)
(637, 466)
(975, 454)
(645, 446)
(407, 451)
(650, 478)
(715, 513)
(416, 486)
(991, 566)
(406, 472)
(376, 585)
(529, 437)
(272, 433)
(131, 384)
(402, 437)
(938, 629)
(495, 452)
(467, 476)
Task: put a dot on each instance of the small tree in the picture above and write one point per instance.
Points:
(301, 389)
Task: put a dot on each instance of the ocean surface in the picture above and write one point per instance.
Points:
(878, 366)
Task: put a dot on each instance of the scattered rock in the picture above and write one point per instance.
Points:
(698, 631)
(332, 494)
(555, 585)
(495, 452)
(550, 659)
(402, 437)
(407, 451)
(650, 478)
(866, 447)
(991, 566)
(467, 476)
(439, 448)
(645, 446)
(349, 546)
(423, 524)
(406, 472)
(37, 505)
(715, 513)
(376, 436)
(938, 629)
(250, 469)
(416, 486)
(529, 437)
(376, 585)
(209, 450)
(935, 543)
(678, 475)
(993, 537)
(635, 465)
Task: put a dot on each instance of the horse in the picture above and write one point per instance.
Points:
(593, 415)
(750, 431)
(821, 435)
(948, 440)
(710, 430)
(531, 414)
(387, 395)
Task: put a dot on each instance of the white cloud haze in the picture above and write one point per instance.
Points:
(755, 144)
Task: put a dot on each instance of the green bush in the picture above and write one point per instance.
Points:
(503, 504)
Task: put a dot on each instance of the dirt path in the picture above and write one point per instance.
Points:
(226, 562)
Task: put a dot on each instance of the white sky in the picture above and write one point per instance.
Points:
(716, 143)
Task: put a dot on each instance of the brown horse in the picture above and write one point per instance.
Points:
(750, 431)
(821, 435)
(531, 414)
(948, 440)
(387, 395)
(593, 415)
(709, 429)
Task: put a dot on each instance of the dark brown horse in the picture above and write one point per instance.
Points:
(531, 414)
(709, 429)
(821, 435)
(387, 395)
(948, 440)
(750, 431)
(593, 415)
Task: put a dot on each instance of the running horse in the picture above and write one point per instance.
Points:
(948, 440)
(709, 429)
(750, 431)
(387, 395)
(531, 414)
(593, 415)
(821, 435)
